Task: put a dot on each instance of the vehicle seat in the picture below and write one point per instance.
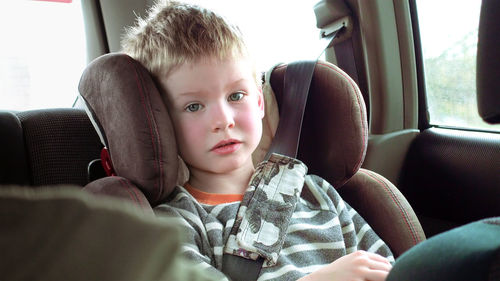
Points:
(47, 147)
(488, 62)
(129, 114)
(333, 145)
(13, 167)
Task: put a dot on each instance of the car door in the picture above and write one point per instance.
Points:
(452, 170)
(425, 133)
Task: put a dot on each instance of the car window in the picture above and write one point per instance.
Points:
(276, 31)
(42, 54)
(448, 32)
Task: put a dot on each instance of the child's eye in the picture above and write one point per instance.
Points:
(236, 96)
(193, 107)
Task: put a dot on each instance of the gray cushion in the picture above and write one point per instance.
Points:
(469, 252)
(66, 234)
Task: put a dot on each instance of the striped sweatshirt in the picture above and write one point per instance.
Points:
(297, 222)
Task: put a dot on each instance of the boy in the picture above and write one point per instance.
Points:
(296, 222)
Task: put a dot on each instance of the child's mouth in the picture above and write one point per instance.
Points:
(229, 143)
(226, 146)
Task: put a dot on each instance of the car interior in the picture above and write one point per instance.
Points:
(365, 127)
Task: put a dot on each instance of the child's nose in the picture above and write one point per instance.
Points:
(222, 118)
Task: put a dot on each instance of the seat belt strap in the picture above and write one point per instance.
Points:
(241, 269)
(298, 78)
(344, 53)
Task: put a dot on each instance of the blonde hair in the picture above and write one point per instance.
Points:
(175, 33)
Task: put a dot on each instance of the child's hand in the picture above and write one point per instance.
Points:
(358, 266)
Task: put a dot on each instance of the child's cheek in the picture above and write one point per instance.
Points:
(250, 122)
(192, 130)
(186, 132)
(246, 122)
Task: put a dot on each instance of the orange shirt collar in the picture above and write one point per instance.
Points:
(212, 198)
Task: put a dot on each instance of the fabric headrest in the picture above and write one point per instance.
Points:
(334, 130)
(488, 62)
(128, 112)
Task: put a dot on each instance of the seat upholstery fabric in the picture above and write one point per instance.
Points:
(334, 129)
(488, 62)
(13, 167)
(59, 144)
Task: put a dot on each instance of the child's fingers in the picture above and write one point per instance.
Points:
(378, 265)
(376, 275)
(377, 257)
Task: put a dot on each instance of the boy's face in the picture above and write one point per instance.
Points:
(216, 109)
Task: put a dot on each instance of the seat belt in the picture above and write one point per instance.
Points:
(344, 53)
(298, 78)
(332, 17)
(241, 269)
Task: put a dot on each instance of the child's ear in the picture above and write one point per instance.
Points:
(260, 103)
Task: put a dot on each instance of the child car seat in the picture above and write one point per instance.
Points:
(133, 124)
(129, 114)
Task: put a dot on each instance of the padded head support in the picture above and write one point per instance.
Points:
(128, 112)
(488, 62)
(334, 130)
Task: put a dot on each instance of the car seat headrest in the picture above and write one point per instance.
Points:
(131, 118)
(488, 62)
(334, 130)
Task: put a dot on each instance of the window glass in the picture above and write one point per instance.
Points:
(276, 31)
(42, 54)
(449, 30)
